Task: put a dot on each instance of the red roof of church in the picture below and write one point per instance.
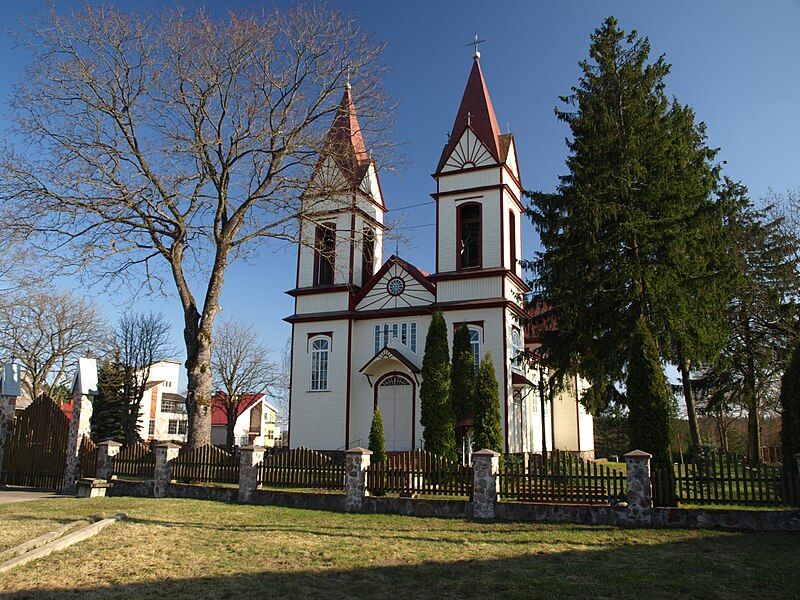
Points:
(344, 142)
(218, 416)
(477, 113)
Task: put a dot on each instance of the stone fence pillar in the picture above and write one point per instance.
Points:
(640, 487)
(79, 426)
(485, 486)
(106, 451)
(355, 478)
(165, 453)
(250, 459)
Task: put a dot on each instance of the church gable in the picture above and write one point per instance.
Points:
(396, 285)
(468, 153)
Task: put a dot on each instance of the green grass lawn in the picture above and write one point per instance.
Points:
(172, 548)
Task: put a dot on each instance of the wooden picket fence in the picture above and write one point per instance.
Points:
(36, 447)
(562, 477)
(207, 464)
(88, 456)
(725, 478)
(301, 467)
(420, 472)
(135, 460)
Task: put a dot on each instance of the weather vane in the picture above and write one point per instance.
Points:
(475, 43)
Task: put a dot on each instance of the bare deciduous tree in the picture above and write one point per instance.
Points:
(46, 332)
(241, 365)
(169, 146)
(138, 341)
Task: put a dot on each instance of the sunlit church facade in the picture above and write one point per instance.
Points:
(360, 322)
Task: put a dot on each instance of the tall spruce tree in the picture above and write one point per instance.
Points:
(377, 443)
(762, 315)
(462, 375)
(649, 398)
(436, 410)
(488, 433)
(633, 229)
(108, 406)
(790, 411)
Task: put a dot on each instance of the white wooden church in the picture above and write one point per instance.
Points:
(359, 323)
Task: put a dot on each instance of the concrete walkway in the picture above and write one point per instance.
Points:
(9, 495)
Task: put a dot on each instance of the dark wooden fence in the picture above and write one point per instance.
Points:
(420, 472)
(725, 478)
(562, 477)
(301, 467)
(36, 447)
(207, 464)
(135, 460)
(88, 456)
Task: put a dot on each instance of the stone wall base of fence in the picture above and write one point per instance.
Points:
(706, 518)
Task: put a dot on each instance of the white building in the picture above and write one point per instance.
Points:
(359, 324)
(256, 422)
(162, 411)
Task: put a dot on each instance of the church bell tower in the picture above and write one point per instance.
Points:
(478, 188)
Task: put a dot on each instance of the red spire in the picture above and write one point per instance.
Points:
(344, 142)
(477, 112)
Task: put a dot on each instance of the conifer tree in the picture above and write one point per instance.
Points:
(377, 444)
(108, 408)
(790, 411)
(436, 411)
(649, 398)
(488, 433)
(462, 377)
(634, 228)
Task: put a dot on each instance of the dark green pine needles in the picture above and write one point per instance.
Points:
(436, 410)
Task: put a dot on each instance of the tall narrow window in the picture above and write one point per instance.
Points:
(469, 232)
(367, 255)
(475, 342)
(320, 348)
(516, 348)
(325, 254)
(404, 334)
(412, 337)
(377, 338)
(512, 239)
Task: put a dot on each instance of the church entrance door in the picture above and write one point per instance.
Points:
(396, 403)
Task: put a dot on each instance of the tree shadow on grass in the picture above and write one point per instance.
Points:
(724, 566)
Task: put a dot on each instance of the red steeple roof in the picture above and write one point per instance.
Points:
(344, 142)
(476, 111)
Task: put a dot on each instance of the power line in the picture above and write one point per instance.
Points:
(409, 206)
(415, 226)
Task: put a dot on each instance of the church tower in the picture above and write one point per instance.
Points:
(478, 208)
(342, 229)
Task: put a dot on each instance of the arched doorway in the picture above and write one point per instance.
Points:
(395, 399)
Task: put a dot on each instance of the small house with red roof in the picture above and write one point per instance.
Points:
(359, 323)
(255, 423)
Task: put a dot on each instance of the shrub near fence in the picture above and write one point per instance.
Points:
(135, 460)
(724, 478)
(562, 477)
(207, 464)
(420, 472)
(301, 467)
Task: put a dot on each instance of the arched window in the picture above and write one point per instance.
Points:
(475, 342)
(469, 235)
(320, 349)
(324, 253)
(516, 348)
(367, 255)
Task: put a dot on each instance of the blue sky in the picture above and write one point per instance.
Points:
(736, 62)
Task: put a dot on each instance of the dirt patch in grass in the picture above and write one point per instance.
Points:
(196, 549)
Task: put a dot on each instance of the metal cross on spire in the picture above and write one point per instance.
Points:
(475, 43)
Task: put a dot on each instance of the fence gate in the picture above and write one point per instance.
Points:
(36, 449)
